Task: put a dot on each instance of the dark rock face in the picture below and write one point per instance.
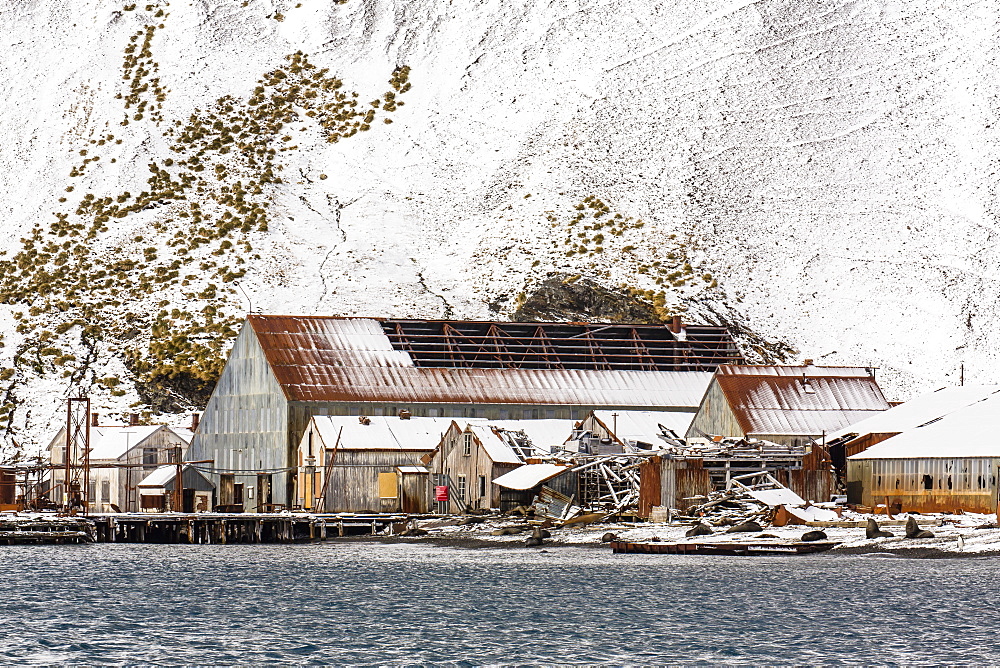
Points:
(913, 530)
(810, 536)
(746, 527)
(873, 531)
(700, 529)
(533, 542)
(561, 298)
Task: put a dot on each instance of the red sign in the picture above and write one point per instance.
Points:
(441, 493)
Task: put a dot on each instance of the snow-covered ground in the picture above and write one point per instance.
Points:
(952, 534)
(831, 164)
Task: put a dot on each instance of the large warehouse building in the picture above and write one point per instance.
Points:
(285, 369)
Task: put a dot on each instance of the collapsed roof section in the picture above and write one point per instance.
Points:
(330, 359)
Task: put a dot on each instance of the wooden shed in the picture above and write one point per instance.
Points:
(946, 465)
(156, 490)
(362, 464)
(793, 405)
(467, 460)
(283, 370)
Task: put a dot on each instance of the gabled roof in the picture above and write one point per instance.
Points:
(496, 446)
(970, 431)
(354, 359)
(918, 411)
(799, 400)
(114, 441)
(381, 433)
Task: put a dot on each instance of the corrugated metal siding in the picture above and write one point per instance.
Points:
(714, 416)
(682, 479)
(649, 486)
(968, 484)
(245, 424)
(782, 405)
(329, 359)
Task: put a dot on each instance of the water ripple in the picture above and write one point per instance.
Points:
(370, 604)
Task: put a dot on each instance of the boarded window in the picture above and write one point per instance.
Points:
(388, 487)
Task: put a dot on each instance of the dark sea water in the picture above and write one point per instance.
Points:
(363, 603)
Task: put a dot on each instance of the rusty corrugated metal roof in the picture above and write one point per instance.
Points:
(317, 358)
(793, 404)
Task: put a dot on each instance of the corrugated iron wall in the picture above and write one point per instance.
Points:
(714, 415)
(352, 485)
(929, 485)
(649, 486)
(682, 479)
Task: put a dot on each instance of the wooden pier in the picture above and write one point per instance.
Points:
(192, 528)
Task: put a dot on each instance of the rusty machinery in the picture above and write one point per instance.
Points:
(76, 478)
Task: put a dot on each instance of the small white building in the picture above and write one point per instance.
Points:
(120, 456)
(156, 490)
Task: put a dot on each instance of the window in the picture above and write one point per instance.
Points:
(460, 488)
(504, 414)
(550, 414)
(467, 444)
(149, 456)
(482, 486)
(106, 491)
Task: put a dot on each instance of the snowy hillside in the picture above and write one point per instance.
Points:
(822, 174)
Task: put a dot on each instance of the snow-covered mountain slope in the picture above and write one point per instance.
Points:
(823, 174)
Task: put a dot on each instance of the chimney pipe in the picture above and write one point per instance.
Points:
(95, 420)
(675, 324)
(133, 419)
(195, 421)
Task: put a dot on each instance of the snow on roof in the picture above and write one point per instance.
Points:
(644, 426)
(113, 442)
(530, 475)
(412, 469)
(381, 433)
(547, 434)
(799, 400)
(971, 431)
(316, 358)
(160, 476)
(918, 410)
(496, 447)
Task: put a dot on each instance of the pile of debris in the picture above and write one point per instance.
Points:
(755, 497)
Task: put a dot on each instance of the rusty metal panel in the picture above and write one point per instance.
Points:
(682, 479)
(336, 359)
(809, 405)
(649, 486)
(815, 485)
